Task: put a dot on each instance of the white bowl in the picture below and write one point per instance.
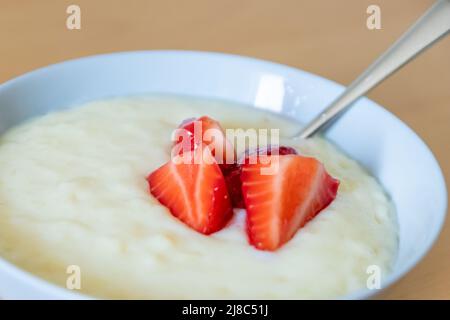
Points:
(391, 151)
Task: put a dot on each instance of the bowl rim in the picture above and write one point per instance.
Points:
(56, 291)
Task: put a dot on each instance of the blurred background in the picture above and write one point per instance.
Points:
(326, 37)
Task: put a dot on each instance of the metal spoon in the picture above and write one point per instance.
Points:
(432, 26)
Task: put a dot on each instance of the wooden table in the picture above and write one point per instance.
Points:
(326, 37)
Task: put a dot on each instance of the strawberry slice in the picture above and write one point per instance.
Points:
(280, 203)
(193, 132)
(194, 190)
(232, 172)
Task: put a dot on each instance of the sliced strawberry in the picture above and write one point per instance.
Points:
(194, 191)
(232, 173)
(279, 204)
(204, 130)
(194, 132)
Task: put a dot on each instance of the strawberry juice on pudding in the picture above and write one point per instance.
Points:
(95, 187)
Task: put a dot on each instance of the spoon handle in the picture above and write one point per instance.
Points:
(432, 26)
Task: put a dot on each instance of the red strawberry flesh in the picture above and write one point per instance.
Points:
(208, 131)
(195, 192)
(279, 204)
(232, 173)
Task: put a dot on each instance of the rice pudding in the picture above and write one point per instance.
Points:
(73, 192)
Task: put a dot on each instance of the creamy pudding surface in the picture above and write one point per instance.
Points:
(73, 192)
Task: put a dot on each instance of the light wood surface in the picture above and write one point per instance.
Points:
(326, 37)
